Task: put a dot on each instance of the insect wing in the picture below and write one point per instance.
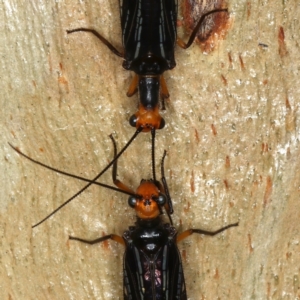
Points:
(133, 288)
(177, 289)
(157, 277)
(149, 26)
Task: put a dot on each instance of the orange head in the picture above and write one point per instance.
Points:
(148, 206)
(147, 119)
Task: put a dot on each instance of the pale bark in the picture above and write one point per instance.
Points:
(232, 140)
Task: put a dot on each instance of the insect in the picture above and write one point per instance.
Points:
(152, 266)
(94, 180)
(149, 37)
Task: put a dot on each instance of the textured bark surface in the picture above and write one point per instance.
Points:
(232, 138)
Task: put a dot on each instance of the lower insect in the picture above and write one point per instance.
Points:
(152, 267)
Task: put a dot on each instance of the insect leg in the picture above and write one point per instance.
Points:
(185, 234)
(133, 88)
(101, 38)
(164, 93)
(113, 237)
(184, 45)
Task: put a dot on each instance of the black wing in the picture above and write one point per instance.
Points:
(177, 288)
(149, 26)
(159, 276)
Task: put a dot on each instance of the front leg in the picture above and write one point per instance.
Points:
(113, 237)
(101, 38)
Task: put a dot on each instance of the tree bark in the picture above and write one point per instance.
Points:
(232, 138)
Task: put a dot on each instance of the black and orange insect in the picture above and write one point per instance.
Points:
(152, 268)
(149, 36)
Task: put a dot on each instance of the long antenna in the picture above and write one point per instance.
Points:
(70, 174)
(165, 185)
(93, 181)
(153, 131)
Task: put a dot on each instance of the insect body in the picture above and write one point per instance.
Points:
(152, 268)
(152, 265)
(149, 37)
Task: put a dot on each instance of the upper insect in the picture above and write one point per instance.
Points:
(149, 37)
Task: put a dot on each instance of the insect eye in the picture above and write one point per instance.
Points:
(132, 201)
(161, 200)
(133, 120)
